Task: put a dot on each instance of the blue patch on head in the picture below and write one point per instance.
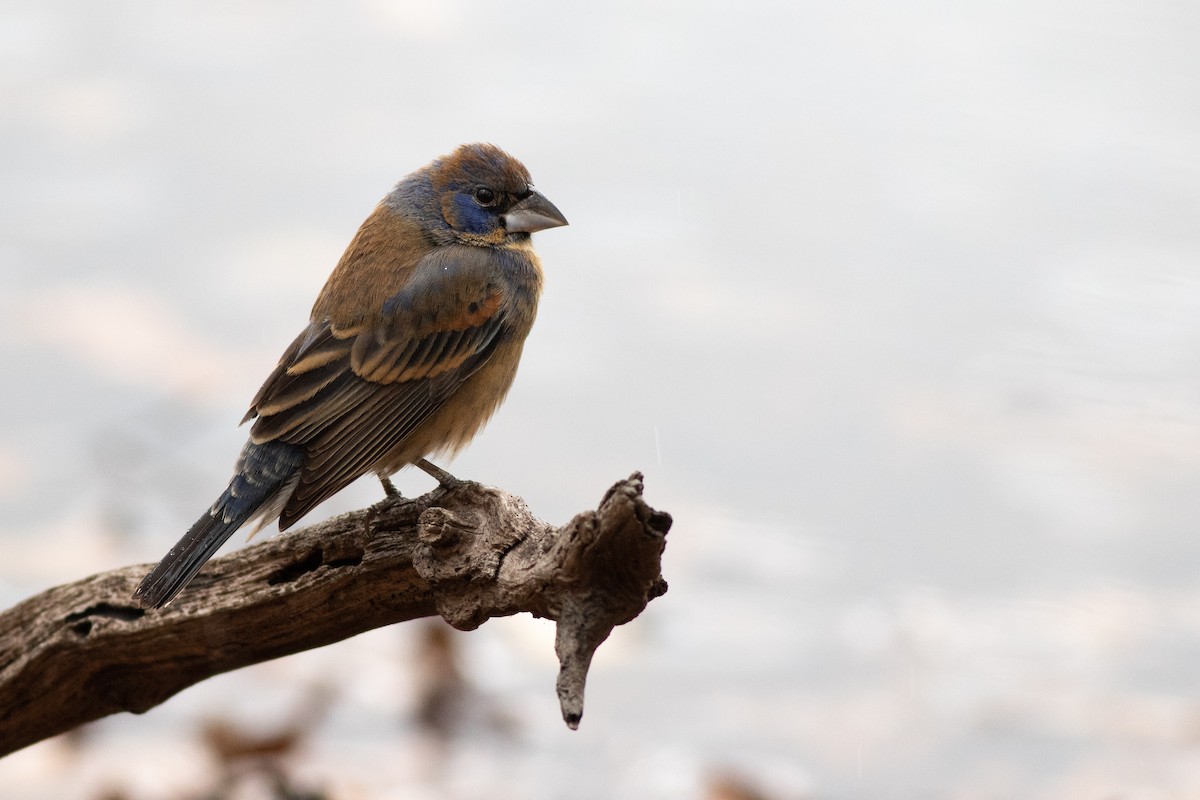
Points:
(413, 193)
(472, 218)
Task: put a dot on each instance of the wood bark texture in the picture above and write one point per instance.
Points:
(467, 552)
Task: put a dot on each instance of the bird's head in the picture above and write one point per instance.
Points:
(484, 196)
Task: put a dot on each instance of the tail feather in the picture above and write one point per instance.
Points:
(185, 559)
(266, 474)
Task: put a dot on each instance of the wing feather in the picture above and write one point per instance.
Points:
(351, 394)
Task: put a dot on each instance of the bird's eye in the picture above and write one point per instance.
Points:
(485, 196)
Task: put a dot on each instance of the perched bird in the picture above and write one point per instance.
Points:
(411, 346)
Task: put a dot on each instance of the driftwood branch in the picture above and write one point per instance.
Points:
(468, 552)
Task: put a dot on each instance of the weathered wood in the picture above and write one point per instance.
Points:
(468, 552)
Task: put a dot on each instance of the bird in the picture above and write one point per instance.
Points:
(411, 346)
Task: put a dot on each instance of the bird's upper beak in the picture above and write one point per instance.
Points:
(534, 213)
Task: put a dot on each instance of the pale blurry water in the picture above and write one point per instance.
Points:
(897, 306)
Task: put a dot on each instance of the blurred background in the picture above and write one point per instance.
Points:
(897, 306)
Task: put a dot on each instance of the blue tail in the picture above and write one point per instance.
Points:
(263, 472)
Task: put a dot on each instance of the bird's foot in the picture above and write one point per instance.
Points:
(437, 473)
(389, 488)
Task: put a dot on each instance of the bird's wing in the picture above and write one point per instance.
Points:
(351, 393)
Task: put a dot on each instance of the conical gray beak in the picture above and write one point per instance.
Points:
(534, 213)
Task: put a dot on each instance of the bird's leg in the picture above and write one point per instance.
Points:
(437, 473)
(389, 488)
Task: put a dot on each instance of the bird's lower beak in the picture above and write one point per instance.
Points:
(534, 213)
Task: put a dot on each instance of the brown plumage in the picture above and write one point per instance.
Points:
(412, 344)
